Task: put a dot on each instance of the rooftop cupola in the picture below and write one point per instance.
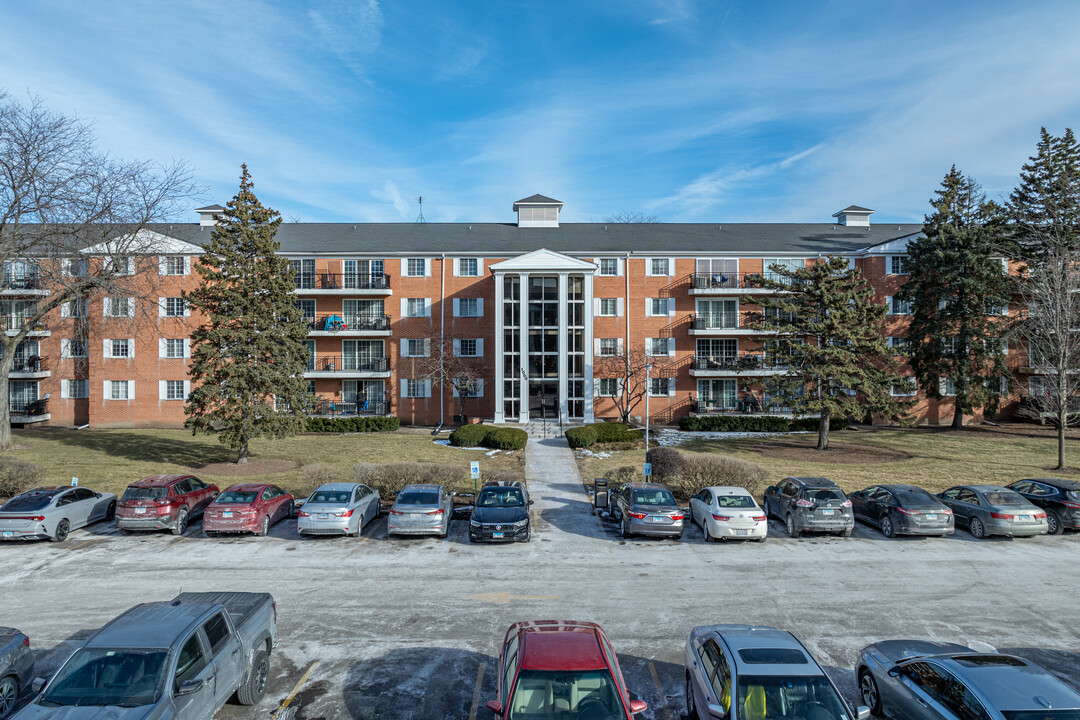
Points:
(538, 211)
(206, 215)
(854, 216)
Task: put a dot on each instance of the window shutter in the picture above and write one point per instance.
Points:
(106, 389)
(671, 307)
(648, 347)
(480, 347)
(671, 387)
(130, 307)
(480, 387)
(648, 307)
(428, 262)
(457, 308)
(671, 267)
(162, 390)
(404, 389)
(596, 307)
(941, 386)
(131, 266)
(131, 389)
(65, 392)
(457, 267)
(427, 307)
(404, 273)
(162, 262)
(65, 310)
(65, 349)
(596, 346)
(619, 386)
(671, 347)
(618, 346)
(596, 387)
(107, 348)
(187, 347)
(427, 347)
(620, 310)
(187, 264)
(106, 305)
(457, 347)
(131, 347)
(480, 307)
(187, 308)
(161, 343)
(619, 267)
(888, 305)
(648, 267)
(161, 307)
(1005, 309)
(427, 389)
(187, 390)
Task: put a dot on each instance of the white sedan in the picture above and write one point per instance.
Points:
(728, 512)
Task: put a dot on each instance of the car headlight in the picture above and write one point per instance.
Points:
(474, 523)
(521, 523)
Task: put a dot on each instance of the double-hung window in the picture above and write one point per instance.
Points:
(609, 307)
(899, 265)
(468, 307)
(174, 390)
(416, 267)
(468, 267)
(658, 266)
(175, 307)
(609, 266)
(467, 347)
(609, 387)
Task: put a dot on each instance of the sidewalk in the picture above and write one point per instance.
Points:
(563, 509)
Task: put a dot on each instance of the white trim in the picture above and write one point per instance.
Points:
(131, 389)
(161, 344)
(479, 347)
(620, 309)
(163, 392)
(65, 392)
(187, 347)
(671, 387)
(619, 347)
(106, 348)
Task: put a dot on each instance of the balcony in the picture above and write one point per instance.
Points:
(342, 284)
(13, 323)
(745, 365)
(348, 325)
(358, 406)
(342, 366)
(732, 283)
(748, 404)
(726, 324)
(33, 367)
(23, 285)
(32, 411)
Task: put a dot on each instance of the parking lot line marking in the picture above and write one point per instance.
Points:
(656, 682)
(476, 692)
(296, 688)
(359, 543)
(84, 543)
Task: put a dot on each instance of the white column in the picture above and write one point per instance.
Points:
(497, 350)
(589, 416)
(564, 368)
(523, 324)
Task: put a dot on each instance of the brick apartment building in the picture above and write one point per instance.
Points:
(536, 300)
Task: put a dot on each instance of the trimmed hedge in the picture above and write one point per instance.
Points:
(469, 436)
(489, 437)
(361, 423)
(754, 423)
(581, 437)
(603, 433)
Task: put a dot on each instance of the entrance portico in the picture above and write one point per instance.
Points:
(543, 338)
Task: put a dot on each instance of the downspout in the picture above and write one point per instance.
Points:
(442, 339)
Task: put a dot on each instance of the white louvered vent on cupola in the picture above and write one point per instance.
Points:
(538, 211)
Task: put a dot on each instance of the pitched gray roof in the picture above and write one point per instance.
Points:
(855, 208)
(538, 198)
(584, 239)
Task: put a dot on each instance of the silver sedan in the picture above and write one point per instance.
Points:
(53, 512)
(728, 512)
(338, 509)
(421, 510)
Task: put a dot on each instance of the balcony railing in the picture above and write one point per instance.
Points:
(718, 321)
(17, 322)
(747, 404)
(337, 322)
(342, 281)
(29, 364)
(22, 282)
(359, 406)
(735, 363)
(28, 407)
(738, 280)
(347, 363)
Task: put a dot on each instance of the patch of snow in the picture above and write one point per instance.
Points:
(492, 453)
(585, 452)
(446, 443)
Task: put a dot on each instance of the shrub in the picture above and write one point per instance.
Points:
(469, 436)
(365, 472)
(506, 439)
(666, 462)
(754, 423)
(393, 477)
(618, 476)
(708, 470)
(18, 476)
(501, 475)
(615, 432)
(319, 474)
(581, 437)
(373, 423)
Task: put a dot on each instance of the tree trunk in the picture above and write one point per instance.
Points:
(823, 432)
(1063, 421)
(243, 458)
(958, 416)
(5, 402)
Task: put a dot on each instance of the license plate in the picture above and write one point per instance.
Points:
(827, 512)
(140, 511)
(322, 516)
(931, 517)
(8, 533)
(414, 516)
(656, 519)
(1023, 518)
(742, 532)
(229, 515)
(496, 535)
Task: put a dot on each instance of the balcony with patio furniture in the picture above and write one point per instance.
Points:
(329, 324)
(13, 323)
(32, 367)
(347, 366)
(355, 406)
(22, 284)
(745, 365)
(721, 324)
(342, 284)
(24, 412)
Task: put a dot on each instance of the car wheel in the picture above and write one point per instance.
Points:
(705, 531)
(762, 539)
(691, 708)
(768, 509)
(9, 693)
(887, 528)
(181, 522)
(62, 529)
(265, 529)
(110, 512)
(868, 690)
(252, 691)
(625, 527)
(976, 528)
(1053, 523)
(791, 529)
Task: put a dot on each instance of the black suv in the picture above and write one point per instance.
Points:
(501, 513)
(810, 504)
(1060, 498)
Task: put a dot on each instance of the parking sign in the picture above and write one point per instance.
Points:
(74, 481)
(474, 469)
(647, 472)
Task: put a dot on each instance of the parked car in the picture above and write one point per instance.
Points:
(247, 508)
(1058, 497)
(501, 513)
(53, 512)
(728, 512)
(180, 659)
(922, 680)
(16, 668)
(994, 510)
(421, 510)
(646, 509)
(810, 504)
(759, 672)
(163, 502)
(902, 510)
(338, 509)
(560, 668)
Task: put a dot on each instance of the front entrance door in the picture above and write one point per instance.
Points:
(544, 400)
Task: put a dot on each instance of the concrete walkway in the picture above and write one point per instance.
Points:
(563, 509)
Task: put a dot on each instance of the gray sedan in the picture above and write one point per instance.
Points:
(922, 680)
(53, 512)
(16, 667)
(338, 509)
(421, 510)
(994, 510)
(646, 509)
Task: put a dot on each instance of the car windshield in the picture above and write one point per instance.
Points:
(1041, 714)
(1004, 497)
(98, 676)
(419, 497)
(330, 497)
(825, 495)
(735, 501)
(545, 694)
(145, 493)
(909, 498)
(500, 497)
(653, 497)
(780, 696)
(29, 501)
(237, 497)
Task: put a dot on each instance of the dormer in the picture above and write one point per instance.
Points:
(538, 211)
(854, 216)
(206, 215)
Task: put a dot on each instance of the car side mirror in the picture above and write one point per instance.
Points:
(637, 706)
(717, 711)
(894, 672)
(494, 706)
(531, 502)
(862, 713)
(189, 687)
(771, 488)
(38, 684)
(97, 494)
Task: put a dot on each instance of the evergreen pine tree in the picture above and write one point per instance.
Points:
(251, 347)
(1043, 211)
(829, 326)
(958, 291)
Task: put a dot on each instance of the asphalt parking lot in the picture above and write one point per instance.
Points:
(374, 627)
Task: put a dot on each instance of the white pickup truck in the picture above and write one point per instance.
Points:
(181, 659)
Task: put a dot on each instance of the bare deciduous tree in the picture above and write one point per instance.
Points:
(631, 216)
(631, 369)
(73, 225)
(1051, 329)
(446, 367)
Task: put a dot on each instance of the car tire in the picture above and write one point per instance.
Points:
(181, 522)
(110, 512)
(210, 533)
(868, 691)
(691, 708)
(791, 529)
(264, 529)
(254, 687)
(887, 527)
(705, 531)
(9, 695)
(762, 539)
(625, 528)
(976, 528)
(60, 534)
(1053, 523)
(767, 509)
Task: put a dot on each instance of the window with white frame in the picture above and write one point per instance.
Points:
(416, 307)
(948, 387)
(608, 387)
(468, 387)
(416, 388)
(416, 267)
(118, 390)
(609, 307)
(658, 307)
(175, 307)
(658, 266)
(468, 307)
(119, 306)
(899, 265)
(174, 390)
(658, 345)
(120, 348)
(609, 346)
(997, 310)
(74, 348)
(76, 308)
(997, 385)
(174, 347)
(899, 307)
(660, 386)
(609, 266)
(77, 267)
(174, 265)
(467, 347)
(414, 347)
(900, 345)
(120, 265)
(78, 389)
(905, 388)
(468, 267)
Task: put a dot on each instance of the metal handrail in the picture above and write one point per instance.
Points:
(337, 322)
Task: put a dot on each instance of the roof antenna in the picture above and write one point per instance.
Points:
(420, 217)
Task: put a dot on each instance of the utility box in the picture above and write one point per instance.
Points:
(600, 493)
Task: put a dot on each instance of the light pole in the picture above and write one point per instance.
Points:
(648, 369)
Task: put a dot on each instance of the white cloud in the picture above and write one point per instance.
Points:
(390, 193)
(351, 29)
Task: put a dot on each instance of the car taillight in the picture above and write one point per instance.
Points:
(440, 511)
(275, 611)
(846, 503)
(1002, 516)
(1066, 503)
(32, 518)
(804, 503)
(246, 511)
(301, 513)
(677, 517)
(163, 501)
(759, 518)
(26, 641)
(637, 515)
(1039, 515)
(396, 512)
(347, 513)
(721, 518)
(909, 513)
(947, 511)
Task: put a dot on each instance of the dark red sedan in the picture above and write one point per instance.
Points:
(247, 508)
(163, 502)
(557, 668)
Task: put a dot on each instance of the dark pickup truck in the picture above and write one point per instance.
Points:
(175, 660)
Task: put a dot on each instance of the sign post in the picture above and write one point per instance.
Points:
(474, 471)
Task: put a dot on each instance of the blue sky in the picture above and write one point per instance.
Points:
(692, 110)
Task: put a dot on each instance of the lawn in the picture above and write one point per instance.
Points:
(932, 458)
(110, 459)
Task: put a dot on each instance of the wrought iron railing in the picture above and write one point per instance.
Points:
(348, 363)
(342, 281)
(29, 364)
(28, 407)
(338, 322)
(716, 321)
(359, 406)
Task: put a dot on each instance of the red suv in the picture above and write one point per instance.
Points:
(550, 668)
(163, 501)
